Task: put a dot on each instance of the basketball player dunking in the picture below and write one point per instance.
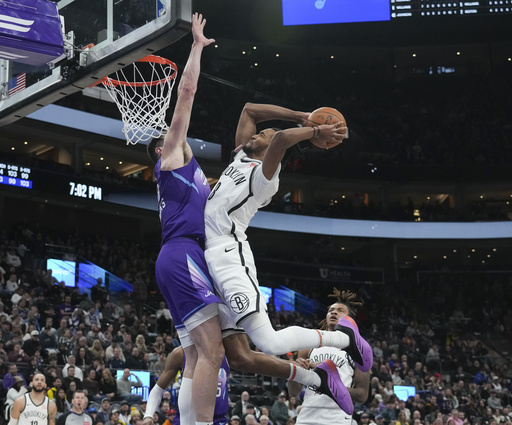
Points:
(246, 185)
(34, 408)
(317, 408)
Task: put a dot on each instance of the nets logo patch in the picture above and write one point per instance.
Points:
(239, 302)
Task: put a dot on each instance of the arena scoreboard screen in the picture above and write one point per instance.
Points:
(15, 175)
(308, 12)
(22, 176)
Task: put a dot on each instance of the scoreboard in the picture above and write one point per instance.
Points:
(426, 8)
(21, 176)
(306, 12)
(15, 175)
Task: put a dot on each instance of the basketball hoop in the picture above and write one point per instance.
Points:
(142, 92)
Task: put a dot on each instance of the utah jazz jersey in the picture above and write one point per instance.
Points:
(182, 195)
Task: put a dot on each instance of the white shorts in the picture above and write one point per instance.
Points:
(324, 416)
(231, 266)
(192, 322)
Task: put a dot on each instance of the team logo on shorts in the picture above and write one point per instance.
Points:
(239, 302)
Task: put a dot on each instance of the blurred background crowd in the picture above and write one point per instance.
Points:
(447, 347)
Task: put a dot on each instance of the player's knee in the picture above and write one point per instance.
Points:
(217, 354)
(271, 345)
(242, 360)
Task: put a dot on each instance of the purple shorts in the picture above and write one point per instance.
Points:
(183, 278)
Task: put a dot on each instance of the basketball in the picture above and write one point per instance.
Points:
(325, 115)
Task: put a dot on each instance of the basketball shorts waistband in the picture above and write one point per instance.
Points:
(221, 240)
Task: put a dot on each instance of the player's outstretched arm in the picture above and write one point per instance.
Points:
(173, 363)
(176, 151)
(254, 113)
(284, 139)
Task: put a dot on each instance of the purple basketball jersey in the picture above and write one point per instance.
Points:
(220, 417)
(181, 271)
(182, 195)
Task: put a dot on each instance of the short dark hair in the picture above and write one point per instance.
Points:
(152, 145)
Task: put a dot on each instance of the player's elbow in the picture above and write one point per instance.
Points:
(249, 108)
(187, 88)
(280, 140)
(252, 111)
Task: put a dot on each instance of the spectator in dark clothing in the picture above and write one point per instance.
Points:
(135, 361)
(66, 308)
(48, 340)
(116, 362)
(9, 378)
(30, 346)
(108, 385)
(389, 413)
(71, 378)
(92, 386)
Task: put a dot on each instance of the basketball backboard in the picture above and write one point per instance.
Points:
(100, 37)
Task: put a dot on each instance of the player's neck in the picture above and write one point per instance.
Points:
(37, 398)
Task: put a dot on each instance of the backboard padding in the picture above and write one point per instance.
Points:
(106, 57)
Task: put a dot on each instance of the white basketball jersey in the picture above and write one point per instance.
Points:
(241, 190)
(34, 414)
(319, 408)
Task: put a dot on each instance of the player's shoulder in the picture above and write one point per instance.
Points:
(20, 401)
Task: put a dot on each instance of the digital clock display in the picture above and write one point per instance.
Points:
(15, 175)
(85, 191)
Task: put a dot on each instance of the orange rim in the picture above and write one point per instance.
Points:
(149, 58)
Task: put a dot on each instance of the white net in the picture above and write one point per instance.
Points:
(142, 92)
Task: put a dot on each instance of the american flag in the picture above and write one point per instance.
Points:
(17, 83)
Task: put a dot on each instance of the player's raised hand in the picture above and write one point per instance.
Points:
(330, 135)
(304, 118)
(198, 23)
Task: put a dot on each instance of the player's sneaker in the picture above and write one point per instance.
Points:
(332, 386)
(359, 349)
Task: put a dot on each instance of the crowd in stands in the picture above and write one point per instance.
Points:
(441, 346)
(425, 127)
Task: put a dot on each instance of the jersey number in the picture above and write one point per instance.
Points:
(33, 422)
(214, 190)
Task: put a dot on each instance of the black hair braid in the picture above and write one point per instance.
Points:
(347, 298)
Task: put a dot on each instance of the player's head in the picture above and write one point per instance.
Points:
(346, 305)
(39, 383)
(258, 143)
(154, 148)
